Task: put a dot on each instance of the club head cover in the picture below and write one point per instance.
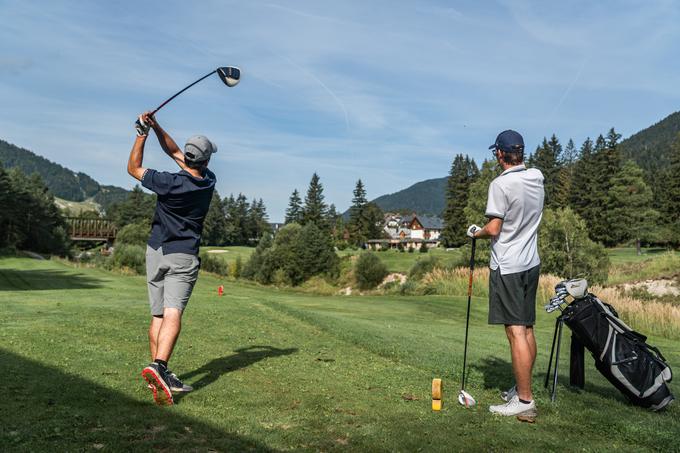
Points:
(465, 399)
(577, 288)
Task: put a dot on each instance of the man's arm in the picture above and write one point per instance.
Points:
(166, 142)
(134, 166)
(491, 229)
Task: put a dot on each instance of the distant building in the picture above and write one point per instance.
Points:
(426, 227)
(276, 226)
(410, 231)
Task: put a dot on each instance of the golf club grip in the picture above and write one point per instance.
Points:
(472, 265)
(181, 91)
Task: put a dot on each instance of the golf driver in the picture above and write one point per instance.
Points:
(464, 397)
(230, 75)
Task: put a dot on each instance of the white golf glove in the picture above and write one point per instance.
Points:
(141, 127)
(472, 230)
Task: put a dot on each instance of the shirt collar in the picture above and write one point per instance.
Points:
(519, 167)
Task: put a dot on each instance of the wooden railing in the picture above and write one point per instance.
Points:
(84, 229)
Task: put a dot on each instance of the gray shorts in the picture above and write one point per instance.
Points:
(512, 297)
(170, 279)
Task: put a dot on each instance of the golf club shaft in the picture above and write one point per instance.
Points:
(467, 318)
(182, 91)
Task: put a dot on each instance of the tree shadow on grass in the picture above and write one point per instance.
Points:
(45, 409)
(241, 358)
(45, 279)
(497, 372)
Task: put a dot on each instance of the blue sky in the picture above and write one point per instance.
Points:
(385, 91)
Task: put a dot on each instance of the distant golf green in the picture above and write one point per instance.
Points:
(281, 370)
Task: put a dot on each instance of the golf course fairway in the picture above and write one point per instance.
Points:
(281, 370)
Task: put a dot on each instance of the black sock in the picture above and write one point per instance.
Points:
(520, 400)
(162, 363)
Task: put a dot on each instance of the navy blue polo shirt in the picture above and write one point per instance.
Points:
(181, 207)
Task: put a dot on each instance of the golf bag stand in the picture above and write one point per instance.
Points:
(576, 361)
(557, 341)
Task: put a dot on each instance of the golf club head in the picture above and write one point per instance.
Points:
(230, 75)
(465, 399)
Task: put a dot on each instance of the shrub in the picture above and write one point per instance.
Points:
(133, 234)
(212, 263)
(422, 266)
(236, 269)
(131, 257)
(566, 250)
(297, 252)
(369, 271)
(423, 248)
(410, 249)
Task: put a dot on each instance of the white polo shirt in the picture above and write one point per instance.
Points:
(516, 196)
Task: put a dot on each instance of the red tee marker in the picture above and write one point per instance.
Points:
(220, 290)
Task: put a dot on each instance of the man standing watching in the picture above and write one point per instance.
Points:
(172, 261)
(514, 209)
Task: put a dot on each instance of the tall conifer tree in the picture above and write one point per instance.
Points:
(315, 208)
(294, 210)
(462, 174)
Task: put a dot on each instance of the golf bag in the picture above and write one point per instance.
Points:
(621, 354)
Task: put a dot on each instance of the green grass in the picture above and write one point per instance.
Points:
(631, 268)
(280, 370)
(626, 255)
(229, 254)
(401, 262)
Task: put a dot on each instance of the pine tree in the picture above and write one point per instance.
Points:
(334, 220)
(137, 208)
(606, 165)
(230, 233)
(315, 209)
(294, 210)
(591, 182)
(372, 219)
(258, 220)
(358, 227)
(670, 201)
(580, 195)
(462, 174)
(566, 175)
(236, 211)
(629, 207)
(548, 159)
(215, 224)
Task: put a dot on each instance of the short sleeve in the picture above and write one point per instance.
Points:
(159, 182)
(496, 204)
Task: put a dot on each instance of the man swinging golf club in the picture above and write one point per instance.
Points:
(514, 209)
(172, 252)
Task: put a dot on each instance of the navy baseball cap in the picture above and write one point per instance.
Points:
(509, 142)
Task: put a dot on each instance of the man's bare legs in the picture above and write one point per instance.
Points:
(523, 352)
(163, 333)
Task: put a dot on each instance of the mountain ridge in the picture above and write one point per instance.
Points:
(61, 181)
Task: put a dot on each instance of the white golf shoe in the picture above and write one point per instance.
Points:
(514, 407)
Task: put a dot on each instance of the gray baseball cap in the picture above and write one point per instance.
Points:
(198, 149)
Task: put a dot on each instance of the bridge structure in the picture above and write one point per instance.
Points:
(95, 230)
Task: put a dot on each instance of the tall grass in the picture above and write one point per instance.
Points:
(646, 316)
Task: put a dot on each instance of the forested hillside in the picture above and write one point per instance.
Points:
(61, 181)
(425, 197)
(651, 147)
